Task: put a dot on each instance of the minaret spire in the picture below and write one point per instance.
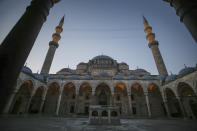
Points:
(53, 45)
(153, 45)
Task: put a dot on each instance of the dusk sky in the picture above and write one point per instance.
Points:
(110, 27)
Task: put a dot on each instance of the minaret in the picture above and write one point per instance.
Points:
(53, 45)
(153, 45)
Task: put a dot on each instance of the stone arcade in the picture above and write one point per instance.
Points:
(104, 81)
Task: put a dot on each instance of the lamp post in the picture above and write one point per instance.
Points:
(187, 10)
(17, 45)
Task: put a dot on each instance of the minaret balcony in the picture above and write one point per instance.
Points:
(148, 29)
(150, 36)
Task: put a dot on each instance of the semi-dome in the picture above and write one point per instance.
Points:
(118, 77)
(66, 70)
(171, 78)
(139, 70)
(186, 70)
(131, 77)
(101, 57)
(26, 69)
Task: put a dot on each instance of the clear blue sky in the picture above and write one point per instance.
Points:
(109, 27)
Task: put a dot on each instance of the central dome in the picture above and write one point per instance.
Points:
(101, 57)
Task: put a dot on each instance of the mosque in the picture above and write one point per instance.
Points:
(105, 81)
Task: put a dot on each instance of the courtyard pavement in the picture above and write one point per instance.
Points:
(38, 123)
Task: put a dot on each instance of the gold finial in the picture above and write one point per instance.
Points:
(144, 20)
(62, 21)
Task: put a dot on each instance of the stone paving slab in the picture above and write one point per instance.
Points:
(16, 123)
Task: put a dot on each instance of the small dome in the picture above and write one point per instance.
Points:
(131, 77)
(38, 76)
(123, 63)
(101, 57)
(87, 77)
(139, 70)
(73, 77)
(117, 77)
(103, 74)
(160, 77)
(26, 69)
(146, 77)
(60, 76)
(186, 70)
(66, 70)
(82, 63)
(171, 78)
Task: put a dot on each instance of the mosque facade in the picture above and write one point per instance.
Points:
(104, 81)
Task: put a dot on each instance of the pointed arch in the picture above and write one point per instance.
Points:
(139, 107)
(36, 100)
(67, 104)
(103, 94)
(156, 101)
(188, 98)
(85, 89)
(173, 104)
(51, 98)
(22, 97)
(121, 98)
(120, 89)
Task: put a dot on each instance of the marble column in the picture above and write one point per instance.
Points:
(130, 104)
(90, 115)
(76, 103)
(109, 116)
(43, 101)
(148, 104)
(166, 107)
(182, 107)
(29, 101)
(112, 99)
(58, 104)
(187, 11)
(17, 45)
(10, 102)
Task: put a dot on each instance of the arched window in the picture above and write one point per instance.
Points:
(114, 114)
(104, 113)
(73, 97)
(118, 97)
(87, 97)
(72, 109)
(132, 97)
(94, 113)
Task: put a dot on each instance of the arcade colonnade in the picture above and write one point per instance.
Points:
(139, 98)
